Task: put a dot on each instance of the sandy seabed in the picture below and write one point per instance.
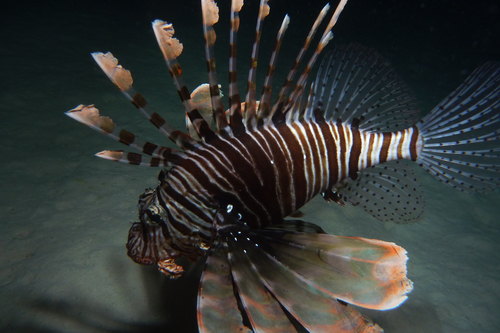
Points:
(65, 214)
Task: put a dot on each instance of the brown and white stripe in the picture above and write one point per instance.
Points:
(282, 96)
(264, 163)
(235, 118)
(210, 17)
(269, 173)
(265, 99)
(171, 49)
(251, 95)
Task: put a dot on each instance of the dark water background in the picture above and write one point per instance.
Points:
(65, 214)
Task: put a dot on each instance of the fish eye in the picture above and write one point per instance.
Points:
(155, 218)
(152, 215)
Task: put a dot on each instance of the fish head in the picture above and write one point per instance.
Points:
(153, 240)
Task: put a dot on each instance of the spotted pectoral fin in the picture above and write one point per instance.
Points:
(388, 191)
(365, 272)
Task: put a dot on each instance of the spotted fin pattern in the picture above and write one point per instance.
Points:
(389, 192)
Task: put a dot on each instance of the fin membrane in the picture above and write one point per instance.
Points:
(217, 306)
(461, 135)
(388, 191)
(263, 310)
(355, 82)
(278, 272)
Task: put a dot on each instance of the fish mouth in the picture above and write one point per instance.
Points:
(151, 244)
(147, 244)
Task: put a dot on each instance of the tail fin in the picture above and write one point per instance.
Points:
(461, 135)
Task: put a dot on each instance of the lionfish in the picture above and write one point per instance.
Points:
(226, 193)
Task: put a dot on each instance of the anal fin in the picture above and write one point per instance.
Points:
(388, 191)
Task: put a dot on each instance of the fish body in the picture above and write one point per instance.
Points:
(226, 193)
(268, 174)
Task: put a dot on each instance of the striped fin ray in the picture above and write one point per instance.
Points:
(249, 112)
(123, 80)
(357, 85)
(133, 158)
(461, 135)
(294, 102)
(461, 104)
(210, 17)
(388, 191)
(235, 118)
(282, 97)
(335, 17)
(264, 107)
(171, 49)
(89, 115)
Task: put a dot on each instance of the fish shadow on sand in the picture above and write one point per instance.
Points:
(171, 307)
(165, 306)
